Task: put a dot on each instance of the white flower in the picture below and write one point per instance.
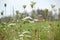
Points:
(31, 21)
(4, 28)
(11, 24)
(35, 20)
(21, 35)
(18, 32)
(12, 30)
(26, 18)
(17, 20)
(25, 32)
(4, 23)
(48, 31)
(49, 26)
(21, 38)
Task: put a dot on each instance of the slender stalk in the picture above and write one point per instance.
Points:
(5, 11)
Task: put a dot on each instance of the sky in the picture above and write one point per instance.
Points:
(17, 5)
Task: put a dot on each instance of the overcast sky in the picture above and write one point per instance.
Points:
(17, 4)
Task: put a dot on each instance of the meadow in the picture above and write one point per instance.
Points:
(39, 24)
(30, 31)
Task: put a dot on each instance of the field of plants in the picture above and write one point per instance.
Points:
(29, 20)
(30, 31)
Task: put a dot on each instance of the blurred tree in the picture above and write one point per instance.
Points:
(33, 14)
(53, 9)
(17, 14)
(41, 12)
(59, 14)
(24, 14)
(52, 6)
(46, 14)
(13, 10)
(51, 18)
(6, 19)
(55, 15)
(33, 11)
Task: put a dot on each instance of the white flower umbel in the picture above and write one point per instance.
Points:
(21, 38)
(4, 28)
(25, 32)
(11, 24)
(18, 32)
(17, 20)
(49, 26)
(21, 35)
(48, 31)
(4, 23)
(31, 21)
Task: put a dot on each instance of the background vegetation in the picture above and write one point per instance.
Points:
(14, 28)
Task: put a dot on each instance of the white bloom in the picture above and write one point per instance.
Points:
(31, 21)
(4, 28)
(48, 31)
(21, 38)
(21, 35)
(4, 23)
(18, 32)
(27, 18)
(35, 20)
(25, 32)
(12, 30)
(49, 26)
(11, 24)
(17, 20)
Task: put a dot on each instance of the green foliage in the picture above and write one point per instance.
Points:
(46, 10)
(46, 13)
(37, 30)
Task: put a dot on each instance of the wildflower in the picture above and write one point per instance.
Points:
(31, 21)
(26, 32)
(4, 23)
(21, 38)
(17, 20)
(49, 26)
(48, 31)
(21, 35)
(11, 24)
(4, 28)
(18, 32)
